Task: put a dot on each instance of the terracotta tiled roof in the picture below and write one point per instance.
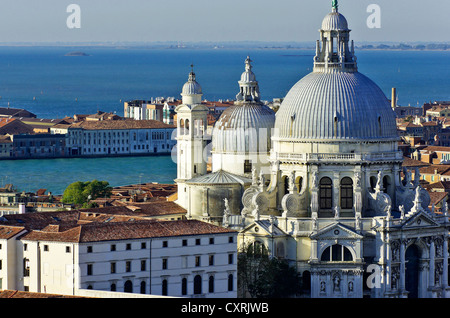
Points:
(140, 209)
(441, 185)
(430, 149)
(430, 123)
(408, 162)
(434, 169)
(437, 197)
(6, 232)
(23, 294)
(121, 124)
(98, 232)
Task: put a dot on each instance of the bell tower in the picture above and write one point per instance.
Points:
(191, 136)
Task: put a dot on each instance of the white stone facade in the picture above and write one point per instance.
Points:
(195, 265)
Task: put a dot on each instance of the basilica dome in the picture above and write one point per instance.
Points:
(243, 128)
(335, 101)
(335, 105)
(246, 126)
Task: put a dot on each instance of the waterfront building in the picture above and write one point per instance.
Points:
(336, 203)
(8, 112)
(5, 147)
(117, 137)
(144, 110)
(13, 126)
(44, 145)
(65, 252)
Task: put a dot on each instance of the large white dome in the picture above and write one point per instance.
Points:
(335, 101)
(340, 105)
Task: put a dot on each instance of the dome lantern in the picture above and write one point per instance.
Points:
(333, 51)
(248, 86)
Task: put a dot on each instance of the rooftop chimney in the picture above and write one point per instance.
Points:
(394, 98)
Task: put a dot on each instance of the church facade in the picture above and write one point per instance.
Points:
(320, 183)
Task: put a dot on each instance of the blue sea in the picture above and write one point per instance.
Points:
(50, 84)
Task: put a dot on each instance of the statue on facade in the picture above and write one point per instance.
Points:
(254, 177)
(378, 187)
(358, 180)
(336, 283)
(402, 211)
(226, 213)
(336, 212)
(315, 180)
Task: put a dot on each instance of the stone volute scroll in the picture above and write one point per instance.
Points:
(294, 203)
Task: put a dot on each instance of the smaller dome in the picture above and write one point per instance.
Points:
(191, 87)
(334, 21)
(239, 128)
(248, 76)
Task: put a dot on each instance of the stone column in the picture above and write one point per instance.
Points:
(431, 279)
(402, 265)
(445, 269)
(388, 267)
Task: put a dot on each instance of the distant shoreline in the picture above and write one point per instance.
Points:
(230, 45)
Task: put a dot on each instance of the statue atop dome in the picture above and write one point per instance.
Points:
(335, 5)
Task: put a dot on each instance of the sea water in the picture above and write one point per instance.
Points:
(50, 84)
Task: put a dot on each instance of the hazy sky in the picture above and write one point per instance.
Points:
(218, 20)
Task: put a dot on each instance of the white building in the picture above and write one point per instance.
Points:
(117, 137)
(168, 258)
(334, 201)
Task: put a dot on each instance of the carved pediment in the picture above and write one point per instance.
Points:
(336, 231)
(263, 228)
(421, 219)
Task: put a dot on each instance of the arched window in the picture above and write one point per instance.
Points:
(257, 249)
(280, 250)
(113, 287)
(186, 127)
(379, 125)
(211, 284)
(230, 282)
(164, 290)
(346, 193)
(386, 184)
(143, 287)
(373, 183)
(286, 185)
(128, 287)
(182, 127)
(325, 194)
(197, 285)
(184, 286)
(336, 253)
(299, 184)
(306, 281)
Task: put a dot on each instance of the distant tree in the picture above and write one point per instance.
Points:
(80, 193)
(262, 276)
